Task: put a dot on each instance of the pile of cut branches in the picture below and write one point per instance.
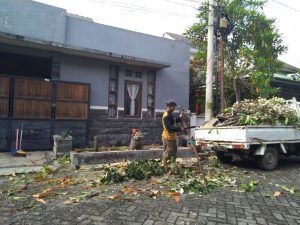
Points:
(261, 111)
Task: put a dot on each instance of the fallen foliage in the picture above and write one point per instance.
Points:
(174, 194)
(144, 169)
(261, 111)
(278, 194)
(114, 197)
(64, 159)
(153, 194)
(291, 190)
(250, 186)
(43, 173)
(139, 170)
(112, 175)
(44, 193)
(81, 196)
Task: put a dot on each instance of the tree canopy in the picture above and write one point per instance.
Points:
(251, 50)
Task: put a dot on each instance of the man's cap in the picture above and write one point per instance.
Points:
(171, 103)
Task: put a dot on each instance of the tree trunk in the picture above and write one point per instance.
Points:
(237, 90)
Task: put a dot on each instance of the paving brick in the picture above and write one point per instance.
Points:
(278, 216)
(293, 212)
(99, 223)
(85, 222)
(192, 215)
(292, 217)
(221, 207)
(231, 220)
(162, 223)
(174, 215)
(185, 210)
(131, 208)
(148, 222)
(246, 221)
(179, 222)
(207, 214)
(294, 204)
(165, 214)
(261, 221)
(291, 221)
(211, 223)
(141, 218)
(221, 215)
(186, 219)
(97, 218)
(220, 220)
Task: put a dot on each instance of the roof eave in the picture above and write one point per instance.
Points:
(19, 40)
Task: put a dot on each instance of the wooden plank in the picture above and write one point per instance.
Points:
(30, 96)
(32, 89)
(71, 110)
(72, 101)
(3, 107)
(70, 91)
(4, 87)
(37, 109)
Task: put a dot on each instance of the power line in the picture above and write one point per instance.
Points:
(177, 3)
(289, 7)
(129, 7)
(193, 1)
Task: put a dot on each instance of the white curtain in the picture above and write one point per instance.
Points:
(132, 91)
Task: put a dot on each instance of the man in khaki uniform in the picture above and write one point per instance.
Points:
(169, 133)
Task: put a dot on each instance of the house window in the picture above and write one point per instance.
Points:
(113, 91)
(128, 73)
(133, 99)
(151, 93)
(138, 74)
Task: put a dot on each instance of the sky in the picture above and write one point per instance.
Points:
(156, 17)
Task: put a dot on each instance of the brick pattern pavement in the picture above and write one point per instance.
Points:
(226, 206)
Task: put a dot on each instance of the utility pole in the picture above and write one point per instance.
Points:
(210, 63)
(224, 28)
(221, 74)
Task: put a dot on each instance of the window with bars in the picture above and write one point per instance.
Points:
(138, 74)
(151, 93)
(113, 91)
(128, 73)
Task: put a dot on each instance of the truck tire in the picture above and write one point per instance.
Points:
(224, 158)
(269, 160)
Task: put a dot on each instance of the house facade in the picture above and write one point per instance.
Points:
(65, 72)
(287, 80)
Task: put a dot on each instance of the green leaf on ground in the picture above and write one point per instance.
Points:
(43, 173)
(249, 187)
(30, 204)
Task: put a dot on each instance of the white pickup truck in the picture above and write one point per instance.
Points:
(262, 143)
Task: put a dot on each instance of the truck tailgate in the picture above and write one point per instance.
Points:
(248, 134)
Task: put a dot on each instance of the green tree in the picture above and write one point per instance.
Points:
(251, 50)
(197, 83)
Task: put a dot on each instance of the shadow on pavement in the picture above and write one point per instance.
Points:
(284, 163)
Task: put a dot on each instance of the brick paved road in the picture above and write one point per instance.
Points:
(225, 206)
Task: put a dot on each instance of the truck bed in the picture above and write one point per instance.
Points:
(248, 134)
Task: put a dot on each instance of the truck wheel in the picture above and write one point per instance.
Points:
(269, 160)
(224, 158)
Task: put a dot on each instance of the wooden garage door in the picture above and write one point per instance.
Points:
(4, 96)
(32, 99)
(72, 101)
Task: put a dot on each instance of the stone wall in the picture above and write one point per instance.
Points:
(117, 132)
